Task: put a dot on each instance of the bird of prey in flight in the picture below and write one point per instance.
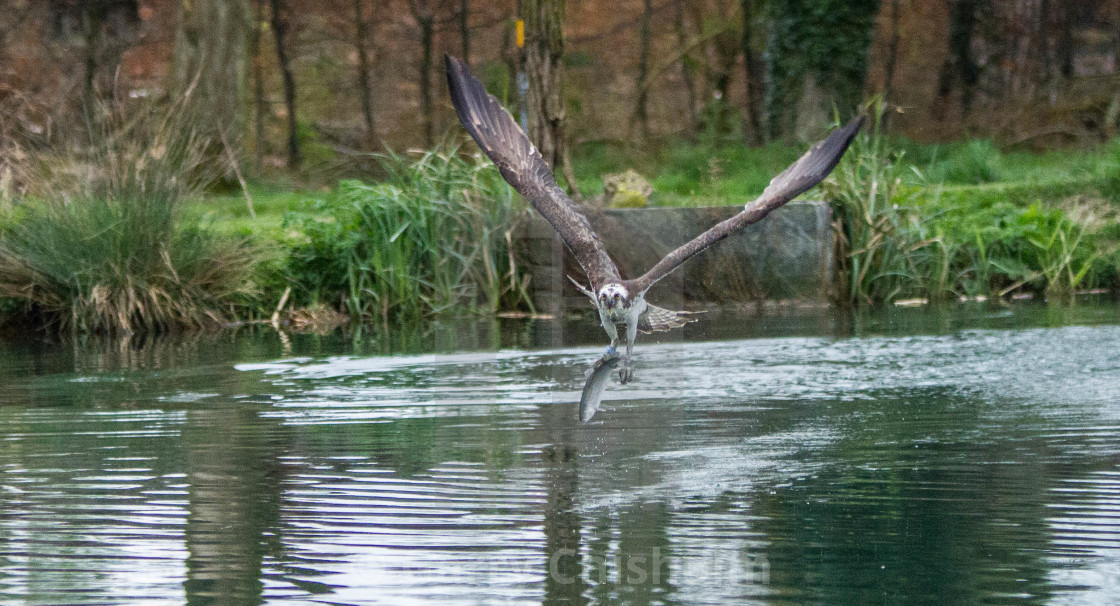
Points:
(621, 303)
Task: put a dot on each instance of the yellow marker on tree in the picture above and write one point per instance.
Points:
(520, 33)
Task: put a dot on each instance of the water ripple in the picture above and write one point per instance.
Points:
(977, 465)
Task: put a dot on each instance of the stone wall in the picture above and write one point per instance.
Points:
(787, 256)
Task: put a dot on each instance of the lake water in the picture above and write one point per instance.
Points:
(961, 456)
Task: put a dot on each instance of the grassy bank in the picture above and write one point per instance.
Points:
(974, 222)
(144, 250)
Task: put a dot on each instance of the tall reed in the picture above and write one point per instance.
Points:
(873, 251)
(434, 237)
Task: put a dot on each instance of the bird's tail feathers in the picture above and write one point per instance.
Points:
(659, 319)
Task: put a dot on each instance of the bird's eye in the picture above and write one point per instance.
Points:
(616, 297)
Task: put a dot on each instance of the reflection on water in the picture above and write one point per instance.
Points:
(967, 456)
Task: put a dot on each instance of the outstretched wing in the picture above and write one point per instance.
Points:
(525, 169)
(809, 170)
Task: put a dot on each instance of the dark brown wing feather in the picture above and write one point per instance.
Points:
(499, 136)
(809, 170)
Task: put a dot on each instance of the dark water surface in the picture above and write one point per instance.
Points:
(961, 456)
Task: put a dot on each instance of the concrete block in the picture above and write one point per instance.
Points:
(786, 256)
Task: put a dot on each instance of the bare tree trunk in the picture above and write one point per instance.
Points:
(510, 56)
(1047, 46)
(422, 11)
(544, 52)
(688, 73)
(102, 47)
(280, 33)
(641, 107)
(726, 46)
(260, 108)
(91, 23)
(719, 52)
(1065, 42)
(465, 29)
(427, 104)
(364, 89)
(698, 11)
(891, 62)
(754, 79)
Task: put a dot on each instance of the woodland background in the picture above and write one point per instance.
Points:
(300, 84)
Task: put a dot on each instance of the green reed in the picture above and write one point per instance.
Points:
(434, 237)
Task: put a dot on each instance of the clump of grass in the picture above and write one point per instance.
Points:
(99, 246)
(434, 237)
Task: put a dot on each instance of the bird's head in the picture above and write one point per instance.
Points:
(614, 297)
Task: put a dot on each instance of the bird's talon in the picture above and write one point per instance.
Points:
(625, 374)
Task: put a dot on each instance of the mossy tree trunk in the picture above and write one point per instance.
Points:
(817, 63)
(543, 64)
(211, 56)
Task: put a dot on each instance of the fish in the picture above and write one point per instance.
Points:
(597, 376)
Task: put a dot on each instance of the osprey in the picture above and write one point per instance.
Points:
(621, 303)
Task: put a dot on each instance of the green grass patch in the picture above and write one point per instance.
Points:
(230, 214)
(686, 173)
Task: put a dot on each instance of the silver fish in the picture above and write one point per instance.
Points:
(597, 377)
